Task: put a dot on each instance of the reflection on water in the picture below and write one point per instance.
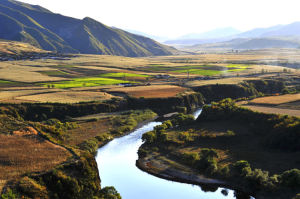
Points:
(116, 162)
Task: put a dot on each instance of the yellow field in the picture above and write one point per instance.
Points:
(9, 95)
(274, 110)
(218, 81)
(66, 97)
(14, 71)
(155, 91)
(276, 100)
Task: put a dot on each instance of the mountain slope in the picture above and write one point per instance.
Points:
(42, 28)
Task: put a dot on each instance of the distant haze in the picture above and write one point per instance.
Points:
(175, 18)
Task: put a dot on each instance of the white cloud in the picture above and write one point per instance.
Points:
(177, 17)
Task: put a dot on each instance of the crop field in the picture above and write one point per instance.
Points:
(28, 154)
(12, 71)
(276, 100)
(66, 97)
(121, 75)
(55, 73)
(154, 91)
(274, 110)
(233, 80)
(12, 94)
(85, 82)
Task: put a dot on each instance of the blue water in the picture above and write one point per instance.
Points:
(116, 163)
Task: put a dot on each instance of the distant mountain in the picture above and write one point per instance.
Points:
(216, 35)
(44, 29)
(155, 37)
(247, 44)
(279, 36)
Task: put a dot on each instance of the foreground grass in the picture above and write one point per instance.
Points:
(86, 82)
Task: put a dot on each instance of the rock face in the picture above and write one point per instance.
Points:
(44, 29)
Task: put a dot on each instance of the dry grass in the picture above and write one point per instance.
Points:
(12, 47)
(8, 95)
(276, 100)
(88, 130)
(236, 80)
(67, 97)
(155, 91)
(15, 71)
(30, 153)
(274, 110)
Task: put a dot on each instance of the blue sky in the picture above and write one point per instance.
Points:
(173, 18)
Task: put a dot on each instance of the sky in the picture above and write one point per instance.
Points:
(174, 18)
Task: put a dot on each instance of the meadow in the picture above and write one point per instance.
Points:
(85, 82)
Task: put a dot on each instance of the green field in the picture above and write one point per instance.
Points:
(6, 82)
(121, 75)
(86, 82)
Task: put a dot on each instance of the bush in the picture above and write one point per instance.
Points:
(291, 178)
(191, 158)
(230, 133)
(109, 193)
(149, 137)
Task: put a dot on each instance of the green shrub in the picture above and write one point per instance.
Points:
(190, 158)
(109, 193)
(291, 178)
(149, 137)
(230, 133)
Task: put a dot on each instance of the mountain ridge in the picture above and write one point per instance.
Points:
(55, 32)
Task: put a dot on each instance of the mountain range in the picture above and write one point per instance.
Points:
(279, 36)
(54, 32)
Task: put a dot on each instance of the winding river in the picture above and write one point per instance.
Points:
(116, 162)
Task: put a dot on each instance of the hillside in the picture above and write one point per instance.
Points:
(49, 31)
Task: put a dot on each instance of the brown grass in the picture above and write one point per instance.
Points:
(20, 154)
(155, 91)
(274, 110)
(218, 81)
(88, 130)
(276, 100)
(67, 97)
(11, 47)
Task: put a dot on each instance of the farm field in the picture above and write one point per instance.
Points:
(154, 91)
(30, 153)
(274, 110)
(276, 100)
(85, 82)
(282, 104)
(66, 97)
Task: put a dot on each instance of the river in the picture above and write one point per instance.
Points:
(116, 163)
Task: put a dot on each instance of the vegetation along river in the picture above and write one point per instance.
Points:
(116, 162)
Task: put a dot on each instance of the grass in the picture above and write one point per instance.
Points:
(86, 82)
(66, 97)
(276, 100)
(200, 72)
(121, 75)
(54, 73)
(155, 91)
(28, 154)
(7, 82)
